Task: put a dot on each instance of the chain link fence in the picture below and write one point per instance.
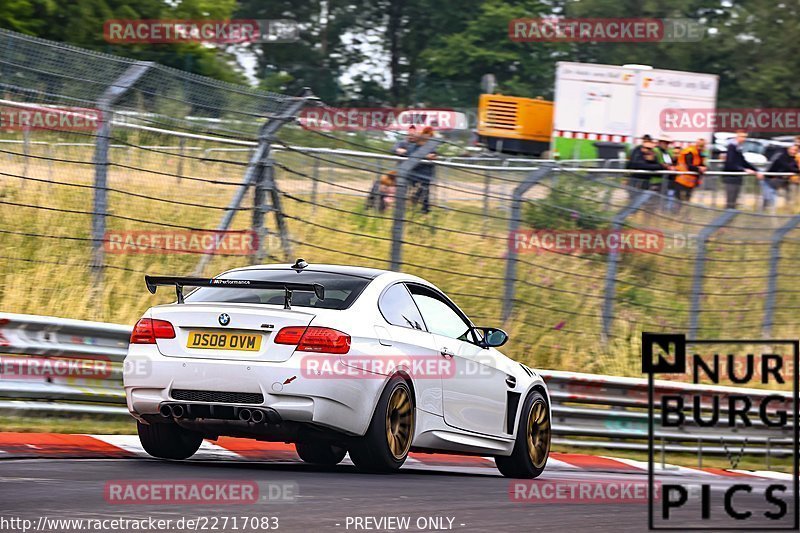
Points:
(85, 213)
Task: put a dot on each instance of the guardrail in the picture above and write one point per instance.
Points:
(589, 410)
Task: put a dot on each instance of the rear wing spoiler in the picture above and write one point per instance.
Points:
(153, 282)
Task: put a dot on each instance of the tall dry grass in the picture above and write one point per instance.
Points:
(45, 255)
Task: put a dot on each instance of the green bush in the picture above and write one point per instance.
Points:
(573, 203)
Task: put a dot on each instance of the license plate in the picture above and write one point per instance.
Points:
(207, 340)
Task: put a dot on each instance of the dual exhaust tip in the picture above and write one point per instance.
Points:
(257, 416)
(172, 410)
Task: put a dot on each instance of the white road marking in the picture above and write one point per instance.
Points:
(130, 443)
(765, 474)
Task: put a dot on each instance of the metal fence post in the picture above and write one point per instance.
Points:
(699, 267)
(50, 162)
(260, 209)
(255, 174)
(514, 222)
(398, 221)
(26, 150)
(181, 156)
(105, 104)
(314, 186)
(613, 260)
(714, 182)
(608, 163)
(266, 198)
(772, 279)
(486, 192)
(276, 208)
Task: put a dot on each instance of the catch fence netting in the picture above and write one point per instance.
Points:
(180, 148)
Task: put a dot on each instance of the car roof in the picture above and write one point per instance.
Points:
(363, 272)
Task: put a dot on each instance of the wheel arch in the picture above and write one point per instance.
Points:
(410, 382)
(535, 386)
(401, 373)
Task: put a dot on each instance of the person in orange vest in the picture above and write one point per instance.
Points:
(690, 159)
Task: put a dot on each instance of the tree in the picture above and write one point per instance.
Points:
(81, 23)
(755, 51)
(318, 57)
(18, 15)
(484, 46)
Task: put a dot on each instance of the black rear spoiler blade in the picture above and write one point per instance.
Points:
(153, 282)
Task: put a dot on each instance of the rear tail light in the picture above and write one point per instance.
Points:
(314, 339)
(290, 335)
(147, 330)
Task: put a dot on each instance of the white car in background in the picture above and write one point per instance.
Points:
(336, 359)
(754, 150)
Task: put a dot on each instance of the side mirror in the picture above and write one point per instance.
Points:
(493, 337)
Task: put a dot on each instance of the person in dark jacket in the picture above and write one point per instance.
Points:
(785, 161)
(404, 146)
(735, 162)
(644, 157)
(422, 175)
(376, 198)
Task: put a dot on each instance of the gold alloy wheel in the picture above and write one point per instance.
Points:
(399, 422)
(538, 433)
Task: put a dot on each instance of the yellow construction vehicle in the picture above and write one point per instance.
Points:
(515, 125)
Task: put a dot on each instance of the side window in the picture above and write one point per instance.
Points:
(398, 308)
(440, 318)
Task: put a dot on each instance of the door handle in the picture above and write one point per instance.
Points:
(446, 353)
(511, 381)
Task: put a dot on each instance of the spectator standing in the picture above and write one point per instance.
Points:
(421, 176)
(795, 180)
(638, 181)
(690, 159)
(387, 190)
(784, 161)
(735, 162)
(377, 197)
(644, 157)
(665, 156)
(403, 146)
(664, 152)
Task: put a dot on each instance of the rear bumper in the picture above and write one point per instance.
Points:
(344, 404)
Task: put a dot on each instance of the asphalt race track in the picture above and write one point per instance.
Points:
(473, 498)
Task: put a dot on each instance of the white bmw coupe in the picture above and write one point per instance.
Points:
(335, 359)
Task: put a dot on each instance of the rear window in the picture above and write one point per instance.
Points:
(341, 290)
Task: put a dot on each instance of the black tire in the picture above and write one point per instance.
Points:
(320, 453)
(384, 447)
(532, 445)
(168, 440)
